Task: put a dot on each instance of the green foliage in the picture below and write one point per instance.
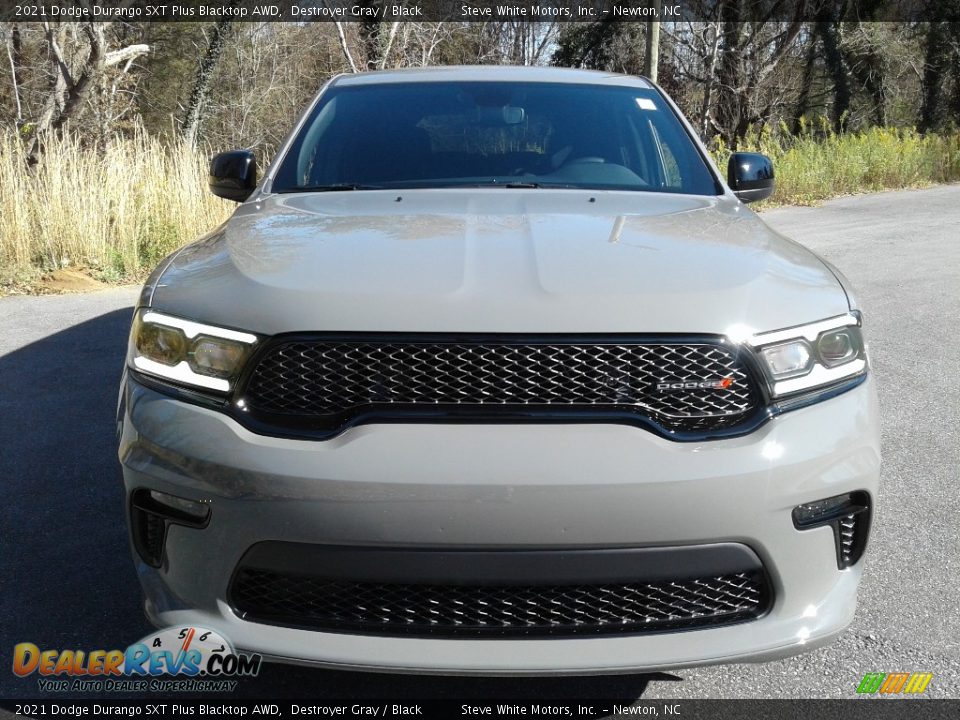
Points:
(603, 45)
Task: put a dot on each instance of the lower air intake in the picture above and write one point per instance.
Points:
(447, 610)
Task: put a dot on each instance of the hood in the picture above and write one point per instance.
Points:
(498, 261)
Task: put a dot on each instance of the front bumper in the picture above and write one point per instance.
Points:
(517, 487)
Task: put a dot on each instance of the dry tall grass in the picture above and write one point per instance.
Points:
(119, 211)
(116, 212)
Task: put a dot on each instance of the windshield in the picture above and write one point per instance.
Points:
(509, 134)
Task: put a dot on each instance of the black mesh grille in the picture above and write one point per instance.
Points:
(688, 386)
(386, 608)
(149, 532)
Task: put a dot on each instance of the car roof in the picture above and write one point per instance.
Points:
(493, 73)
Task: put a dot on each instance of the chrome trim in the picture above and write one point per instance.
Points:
(808, 332)
(819, 375)
(192, 329)
(180, 373)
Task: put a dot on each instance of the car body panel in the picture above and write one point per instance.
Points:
(498, 260)
(506, 486)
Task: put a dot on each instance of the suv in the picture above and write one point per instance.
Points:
(491, 372)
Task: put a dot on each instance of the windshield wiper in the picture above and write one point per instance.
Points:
(334, 187)
(521, 185)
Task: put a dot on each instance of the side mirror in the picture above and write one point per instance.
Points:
(750, 176)
(233, 175)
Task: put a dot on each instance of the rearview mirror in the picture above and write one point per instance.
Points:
(233, 175)
(750, 176)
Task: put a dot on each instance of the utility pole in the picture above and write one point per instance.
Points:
(652, 57)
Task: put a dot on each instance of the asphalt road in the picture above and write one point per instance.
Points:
(66, 578)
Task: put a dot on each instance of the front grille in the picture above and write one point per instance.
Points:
(418, 609)
(680, 386)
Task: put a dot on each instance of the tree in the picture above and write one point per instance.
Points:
(941, 57)
(80, 55)
(750, 52)
(651, 58)
(193, 112)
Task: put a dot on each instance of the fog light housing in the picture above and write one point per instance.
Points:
(149, 533)
(180, 509)
(152, 512)
(848, 515)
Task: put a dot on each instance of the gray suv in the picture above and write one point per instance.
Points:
(493, 372)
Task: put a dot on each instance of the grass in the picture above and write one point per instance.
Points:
(114, 213)
(117, 212)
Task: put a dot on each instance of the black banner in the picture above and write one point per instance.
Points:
(303, 11)
(862, 709)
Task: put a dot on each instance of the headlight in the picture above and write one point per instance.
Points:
(188, 352)
(788, 360)
(837, 347)
(811, 356)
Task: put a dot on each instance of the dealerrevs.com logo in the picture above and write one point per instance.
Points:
(176, 659)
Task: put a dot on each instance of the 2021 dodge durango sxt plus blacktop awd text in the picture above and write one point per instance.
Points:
(492, 372)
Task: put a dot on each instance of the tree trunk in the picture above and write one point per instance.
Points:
(867, 66)
(731, 112)
(193, 113)
(937, 56)
(342, 39)
(68, 92)
(369, 32)
(705, 110)
(803, 100)
(11, 38)
(651, 60)
(829, 33)
(953, 61)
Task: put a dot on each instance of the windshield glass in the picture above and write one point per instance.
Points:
(449, 134)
